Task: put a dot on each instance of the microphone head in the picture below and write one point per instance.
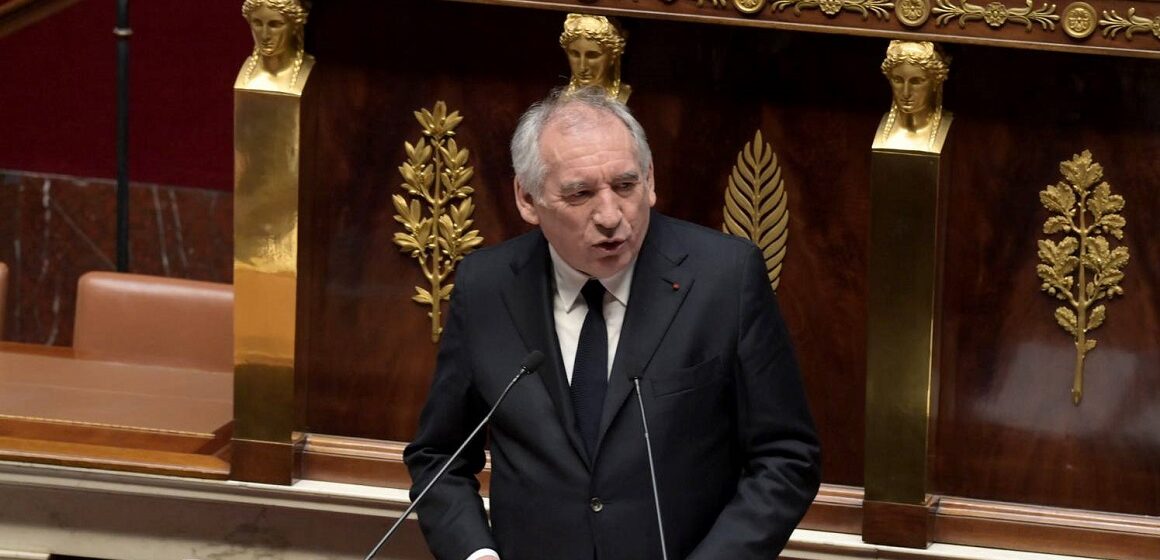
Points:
(532, 362)
(633, 372)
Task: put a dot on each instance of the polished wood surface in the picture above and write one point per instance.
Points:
(700, 91)
(1045, 529)
(64, 389)
(58, 409)
(361, 461)
(1007, 429)
(898, 524)
(836, 509)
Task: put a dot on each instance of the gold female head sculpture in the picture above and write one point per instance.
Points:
(916, 72)
(594, 45)
(279, 56)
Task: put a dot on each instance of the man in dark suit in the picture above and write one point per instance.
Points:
(687, 309)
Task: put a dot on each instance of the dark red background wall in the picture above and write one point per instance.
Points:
(58, 92)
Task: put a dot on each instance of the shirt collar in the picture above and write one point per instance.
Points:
(569, 281)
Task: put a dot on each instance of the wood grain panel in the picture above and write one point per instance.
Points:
(701, 93)
(1007, 428)
(114, 458)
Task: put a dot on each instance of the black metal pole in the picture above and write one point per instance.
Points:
(122, 31)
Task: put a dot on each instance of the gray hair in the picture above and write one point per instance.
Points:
(527, 158)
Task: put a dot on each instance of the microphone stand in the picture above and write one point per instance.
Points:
(531, 364)
(651, 468)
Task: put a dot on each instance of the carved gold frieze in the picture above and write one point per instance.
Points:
(756, 204)
(438, 214)
(996, 14)
(1083, 269)
(1079, 20)
(880, 8)
(1113, 23)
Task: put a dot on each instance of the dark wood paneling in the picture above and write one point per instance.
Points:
(894, 524)
(701, 93)
(1007, 429)
(1044, 529)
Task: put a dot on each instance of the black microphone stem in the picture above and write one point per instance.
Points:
(399, 522)
(652, 472)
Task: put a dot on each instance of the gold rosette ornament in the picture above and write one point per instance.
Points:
(436, 175)
(1083, 269)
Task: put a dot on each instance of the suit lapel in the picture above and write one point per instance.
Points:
(659, 287)
(528, 298)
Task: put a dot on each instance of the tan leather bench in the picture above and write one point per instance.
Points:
(142, 319)
(3, 296)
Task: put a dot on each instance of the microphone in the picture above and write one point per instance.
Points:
(634, 376)
(531, 363)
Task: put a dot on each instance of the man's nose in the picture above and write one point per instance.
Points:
(607, 214)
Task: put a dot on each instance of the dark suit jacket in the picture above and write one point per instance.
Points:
(736, 453)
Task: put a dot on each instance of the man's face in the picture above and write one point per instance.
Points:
(912, 88)
(595, 203)
(271, 31)
(588, 61)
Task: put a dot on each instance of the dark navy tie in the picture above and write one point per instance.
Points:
(590, 371)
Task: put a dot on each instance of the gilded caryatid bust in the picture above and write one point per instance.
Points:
(279, 62)
(916, 121)
(594, 45)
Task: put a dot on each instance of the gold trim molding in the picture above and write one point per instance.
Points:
(1113, 23)
(756, 204)
(996, 14)
(880, 8)
(435, 175)
(1082, 251)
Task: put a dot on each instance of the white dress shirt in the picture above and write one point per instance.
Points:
(569, 309)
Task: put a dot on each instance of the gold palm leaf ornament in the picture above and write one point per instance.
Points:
(756, 204)
(1082, 269)
(437, 216)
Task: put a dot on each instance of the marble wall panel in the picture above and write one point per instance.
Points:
(54, 228)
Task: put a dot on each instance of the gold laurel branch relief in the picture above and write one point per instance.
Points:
(880, 8)
(756, 204)
(437, 214)
(996, 14)
(1083, 269)
(1114, 23)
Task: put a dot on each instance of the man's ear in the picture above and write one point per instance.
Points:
(650, 185)
(526, 204)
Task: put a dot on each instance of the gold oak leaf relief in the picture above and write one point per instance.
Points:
(756, 204)
(437, 215)
(1083, 269)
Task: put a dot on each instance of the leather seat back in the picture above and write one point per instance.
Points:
(3, 296)
(154, 320)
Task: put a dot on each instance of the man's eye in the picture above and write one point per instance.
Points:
(625, 186)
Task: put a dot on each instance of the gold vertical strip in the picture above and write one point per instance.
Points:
(267, 130)
(901, 385)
